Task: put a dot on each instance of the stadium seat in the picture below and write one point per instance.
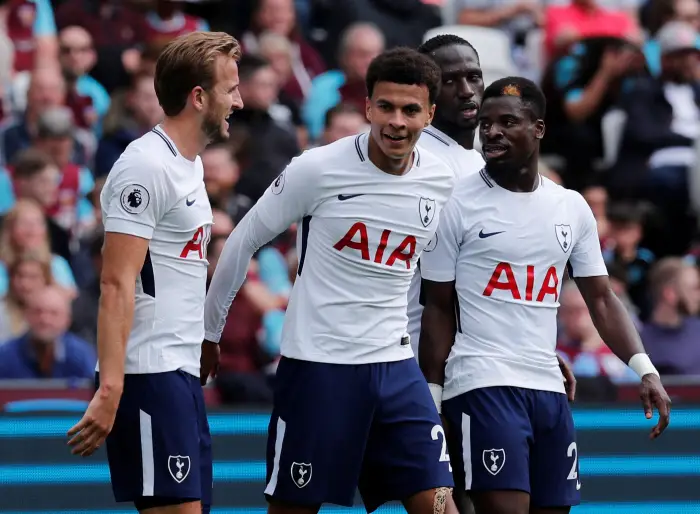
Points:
(493, 46)
(46, 405)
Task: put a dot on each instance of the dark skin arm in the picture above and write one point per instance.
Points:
(617, 330)
(438, 329)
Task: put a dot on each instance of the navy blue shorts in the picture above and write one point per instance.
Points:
(339, 427)
(510, 438)
(160, 445)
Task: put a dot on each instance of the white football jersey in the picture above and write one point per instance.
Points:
(155, 193)
(360, 234)
(507, 253)
(463, 162)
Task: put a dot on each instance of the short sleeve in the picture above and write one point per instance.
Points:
(438, 262)
(135, 197)
(291, 196)
(586, 258)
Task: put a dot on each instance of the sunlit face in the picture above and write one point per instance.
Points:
(143, 101)
(27, 278)
(46, 89)
(362, 48)
(344, 124)
(42, 187)
(574, 316)
(398, 113)
(462, 86)
(222, 100)
(77, 54)
(276, 16)
(48, 315)
(29, 230)
(220, 171)
(688, 291)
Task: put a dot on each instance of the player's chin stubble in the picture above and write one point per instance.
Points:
(213, 129)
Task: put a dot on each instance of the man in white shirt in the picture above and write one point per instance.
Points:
(503, 243)
(149, 404)
(351, 407)
(451, 134)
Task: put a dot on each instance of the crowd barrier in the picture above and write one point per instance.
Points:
(622, 471)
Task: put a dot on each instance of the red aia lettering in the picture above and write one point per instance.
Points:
(404, 252)
(550, 283)
(198, 243)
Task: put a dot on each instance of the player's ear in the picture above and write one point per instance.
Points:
(431, 115)
(368, 109)
(198, 98)
(539, 129)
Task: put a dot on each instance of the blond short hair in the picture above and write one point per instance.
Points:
(187, 62)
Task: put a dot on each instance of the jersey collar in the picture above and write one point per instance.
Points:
(439, 134)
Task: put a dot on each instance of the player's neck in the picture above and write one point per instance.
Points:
(464, 137)
(384, 163)
(518, 180)
(666, 316)
(187, 136)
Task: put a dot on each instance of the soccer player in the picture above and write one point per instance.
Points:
(351, 407)
(451, 134)
(157, 219)
(504, 241)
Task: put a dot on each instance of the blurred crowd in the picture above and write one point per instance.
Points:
(622, 79)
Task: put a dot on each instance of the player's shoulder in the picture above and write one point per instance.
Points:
(342, 153)
(143, 157)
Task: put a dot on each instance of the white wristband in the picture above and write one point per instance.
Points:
(436, 392)
(641, 364)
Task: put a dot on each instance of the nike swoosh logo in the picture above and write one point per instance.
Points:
(483, 235)
(342, 198)
(190, 203)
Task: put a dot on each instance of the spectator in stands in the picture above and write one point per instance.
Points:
(87, 98)
(579, 340)
(263, 129)
(47, 349)
(85, 306)
(223, 224)
(29, 273)
(663, 122)
(24, 229)
(671, 337)
(221, 174)
(47, 88)
(31, 27)
(660, 12)
(132, 114)
(279, 17)
(343, 120)
(360, 43)
(596, 197)
(168, 20)
(626, 233)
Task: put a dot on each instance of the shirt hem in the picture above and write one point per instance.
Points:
(448, 394)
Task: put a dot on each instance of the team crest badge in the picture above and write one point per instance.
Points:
(278, 184)
(179, 467)
(564, 238)
(135, 198)
(426, 209)
(301, 474)
(494, 460)
(431, 244)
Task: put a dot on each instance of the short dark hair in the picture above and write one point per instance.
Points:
(626, 212)
(528, 92)
(250, 64)
(404, 65)
(442, 40)
(341, 108)
(31, 162)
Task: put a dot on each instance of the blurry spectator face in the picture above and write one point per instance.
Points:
(224, 97)
(260, 91)
(27, 278)
(60, 148)
(213, 253)
(681, 66)
(223, 225)
(220, 171)
(688, 11)
(77, 54)
(29, 230)
(276, 16)
(574, 316)
(277, 50)
(688, 291)
(48, 314)
(597, 199)
(46, 89)
(344, 124)
(41, 187)
(626, 235)
(462, 86)
(362, 46)
(143, 102)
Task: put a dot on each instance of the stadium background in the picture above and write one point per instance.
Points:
(75, 97)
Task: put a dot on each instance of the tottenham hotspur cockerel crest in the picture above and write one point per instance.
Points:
(301, 474)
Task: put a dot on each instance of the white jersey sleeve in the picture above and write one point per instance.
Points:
(586, 258)
(137, 198)
(440, 263)
(288, 199)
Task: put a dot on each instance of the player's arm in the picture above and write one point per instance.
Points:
(288, 199)
(611, 318)
(439, 322)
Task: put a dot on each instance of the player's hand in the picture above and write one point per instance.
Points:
(568, 377)
(92, 430)
(209, 363)
(653, 394)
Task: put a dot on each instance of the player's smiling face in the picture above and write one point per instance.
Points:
(398, 113)
(462, 86)
(508, 131)
(223, 99)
